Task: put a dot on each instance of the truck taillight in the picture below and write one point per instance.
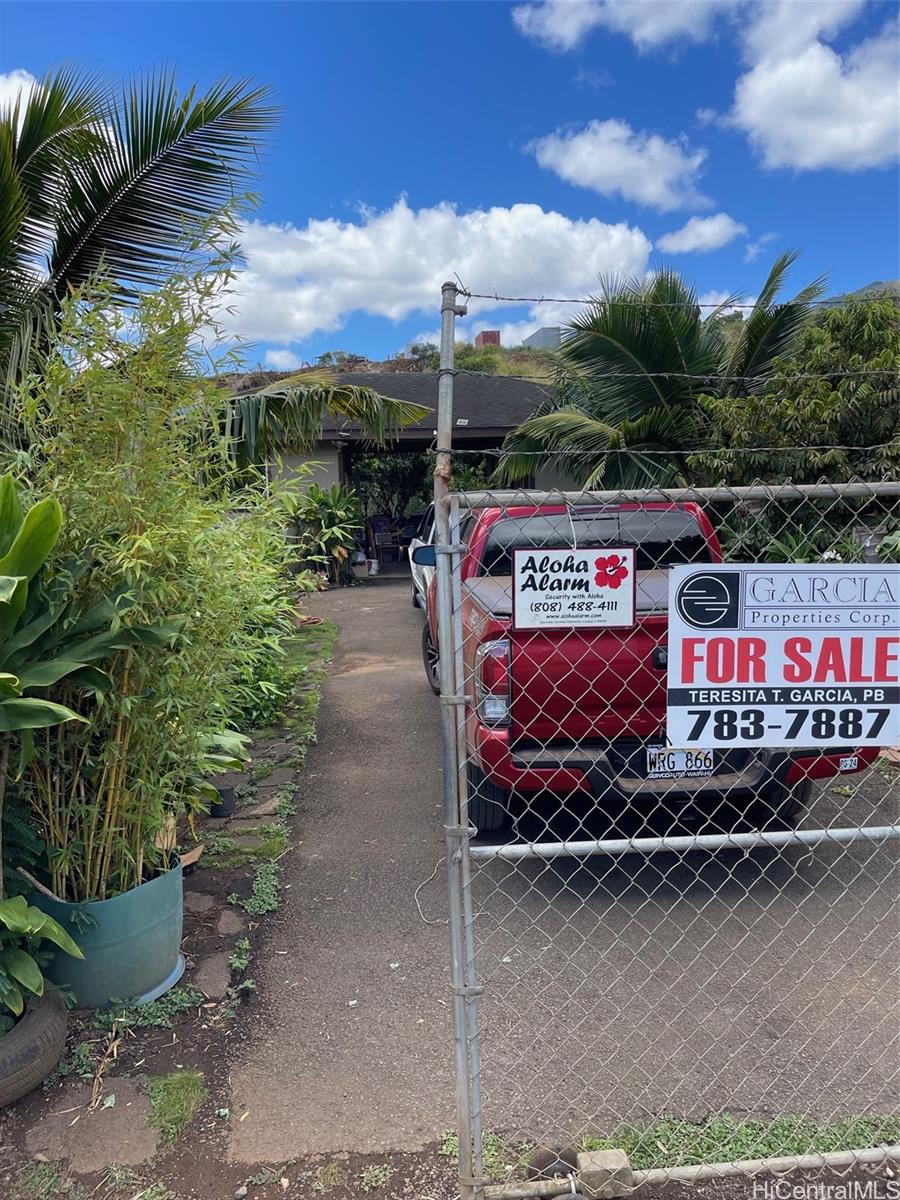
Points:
(492, 682)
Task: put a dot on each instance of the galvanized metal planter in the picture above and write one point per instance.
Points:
(133, 952)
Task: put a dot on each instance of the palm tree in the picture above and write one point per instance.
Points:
(631, 372)
(95, 178)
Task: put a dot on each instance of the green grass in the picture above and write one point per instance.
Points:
(42, 1181)
(503, 1156)
(173, 1101)
(310, 650)
(223, 851)
(670, 1142)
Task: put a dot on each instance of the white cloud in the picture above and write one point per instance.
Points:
(13, 84)
(783, 28)
(814, 108)
(558, 24)
(283, 360)
(702, 234)
(564, 24)
(612, 158)
(718, 298)
(392, 263)
(753, 249)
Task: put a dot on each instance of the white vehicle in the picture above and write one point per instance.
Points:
(421, 576)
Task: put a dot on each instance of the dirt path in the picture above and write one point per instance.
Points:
(350, 1048)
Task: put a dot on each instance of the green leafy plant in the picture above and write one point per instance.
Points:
(375, 1176)
(239, 960)
(22, 929)
(156, 1014)
(265, 891)
(326, 522)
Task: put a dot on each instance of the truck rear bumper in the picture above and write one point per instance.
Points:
(594, 770)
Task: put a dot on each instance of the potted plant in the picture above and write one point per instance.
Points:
(32, 1012)
(131, 941)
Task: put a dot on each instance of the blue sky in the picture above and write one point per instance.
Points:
(529, 147)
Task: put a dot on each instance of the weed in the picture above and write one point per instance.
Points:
(262, 770)
(156, 1191)
(158, 1014)
(261, 1178)
(81, 1060)
(240, 956)
(332, 1175)
(115, 1178)
(173, 1101)
(264, 894)
(286, 806)
(224, 851)
(233, 997)
(42, 1181)
(502, 1157)
(375, 1176)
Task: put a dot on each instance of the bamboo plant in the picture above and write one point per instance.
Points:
(47, 645)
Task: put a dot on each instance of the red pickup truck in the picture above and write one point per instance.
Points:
(583, 710)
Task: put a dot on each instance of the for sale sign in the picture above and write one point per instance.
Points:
(568, 588)
(786, 655)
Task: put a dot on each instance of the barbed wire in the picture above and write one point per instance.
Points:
(499, 452)
(839, 302)
(710, 378)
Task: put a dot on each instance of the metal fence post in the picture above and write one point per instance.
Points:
(454, 832)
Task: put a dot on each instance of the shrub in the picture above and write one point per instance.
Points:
(124, 429)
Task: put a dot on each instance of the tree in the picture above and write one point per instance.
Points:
(830, 409)
(632, 369)
(94, 176)
(120, 183)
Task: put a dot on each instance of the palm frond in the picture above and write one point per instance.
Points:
(771, 331)
(286, 417)
(164, 161)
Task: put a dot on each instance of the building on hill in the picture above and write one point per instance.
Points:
(487, 337)
(546, 338)
(485, 409)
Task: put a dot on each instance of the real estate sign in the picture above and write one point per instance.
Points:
(570, 588)
(784, 655)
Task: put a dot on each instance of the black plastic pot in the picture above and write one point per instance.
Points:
(225, 805)
(32, 1048)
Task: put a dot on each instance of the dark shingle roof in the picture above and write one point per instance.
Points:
(485, 402)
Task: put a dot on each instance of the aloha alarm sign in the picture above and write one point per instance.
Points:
(573, 589)
(784, 655)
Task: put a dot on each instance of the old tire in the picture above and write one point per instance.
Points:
(488, 803)
(33, 1047)
(781, 804)
(431, 660)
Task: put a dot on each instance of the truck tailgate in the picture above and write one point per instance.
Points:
(572, 685)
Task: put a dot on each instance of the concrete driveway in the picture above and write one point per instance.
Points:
(352, 1048)
(764, 984)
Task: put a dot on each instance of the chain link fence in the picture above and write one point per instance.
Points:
(684, 949)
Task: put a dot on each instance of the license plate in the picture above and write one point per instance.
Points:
(663, 763)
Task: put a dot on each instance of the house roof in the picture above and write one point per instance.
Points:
(486, 403)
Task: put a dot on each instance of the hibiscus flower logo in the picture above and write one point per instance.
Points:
(611, 570)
